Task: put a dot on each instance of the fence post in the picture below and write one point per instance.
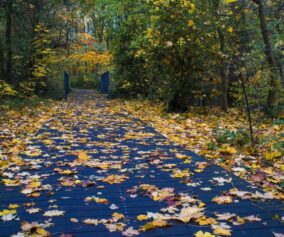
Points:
(66, 85)
(105, 81)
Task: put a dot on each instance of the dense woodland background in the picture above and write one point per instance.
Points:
(224, 53)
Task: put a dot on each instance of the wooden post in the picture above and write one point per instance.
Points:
(66, 85)
(105, 82)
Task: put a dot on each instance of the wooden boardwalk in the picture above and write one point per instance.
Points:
(53, 179)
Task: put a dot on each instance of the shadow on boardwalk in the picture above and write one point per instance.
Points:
(91, 161)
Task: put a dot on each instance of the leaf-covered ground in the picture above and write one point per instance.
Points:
(18, 126)
(219, 137)
(95, 170)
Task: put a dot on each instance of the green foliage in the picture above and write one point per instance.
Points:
(85, 81)
(238, 138)
(212, 146)
(21, 103)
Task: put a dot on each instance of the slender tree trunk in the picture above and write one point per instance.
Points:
(2, 69)
(272, 99)
(245, 39)
(9, 57)
(279, 57)
(247, 109)
(223, 72)
(67, 41)
(101, 32)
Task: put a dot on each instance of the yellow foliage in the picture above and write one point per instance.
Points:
(190, 23)
(230, 1)
(272, 155)
(230, 29)
(6, 89)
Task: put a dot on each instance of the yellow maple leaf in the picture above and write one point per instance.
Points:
(272, 155)
(115, 179)
(35, 194)
(241, 220)
(10, 182)
(34, 184)
(203, 234)
(228, 150)
(154, 224)
(189, 213)
(231, 150)
(83, 156)
(142, 217)
(206, 221)
(217, 230)
(223, 200)
(6, 212)
(13, 206)
(42, 232)
(117, 216)
(33, 153)
(181, 156)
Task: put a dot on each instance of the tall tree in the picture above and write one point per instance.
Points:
(272, 99)
(9, 49)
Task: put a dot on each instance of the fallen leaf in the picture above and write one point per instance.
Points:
(117, 216)
(203, 234)
(83, 156)
(218, 230)
(91, 221)
(142, 218)
(223, 200)
(129, 232)
(154, 224)
(74, 220)
(54, 213)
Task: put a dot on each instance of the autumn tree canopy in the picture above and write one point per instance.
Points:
(182, 52)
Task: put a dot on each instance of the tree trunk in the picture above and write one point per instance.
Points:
(9, 57)
(2, 69)
(223, 72)
(272, 99)
(279, 58)
(247, 109)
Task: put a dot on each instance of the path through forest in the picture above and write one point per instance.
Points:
(94, 170)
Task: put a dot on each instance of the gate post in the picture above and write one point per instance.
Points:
(66, 85)
(105, 81)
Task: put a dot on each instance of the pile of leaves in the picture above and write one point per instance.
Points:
(17, 127)
(223, 138)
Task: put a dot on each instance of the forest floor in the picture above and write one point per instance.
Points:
(223, 139)
(89, 165)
